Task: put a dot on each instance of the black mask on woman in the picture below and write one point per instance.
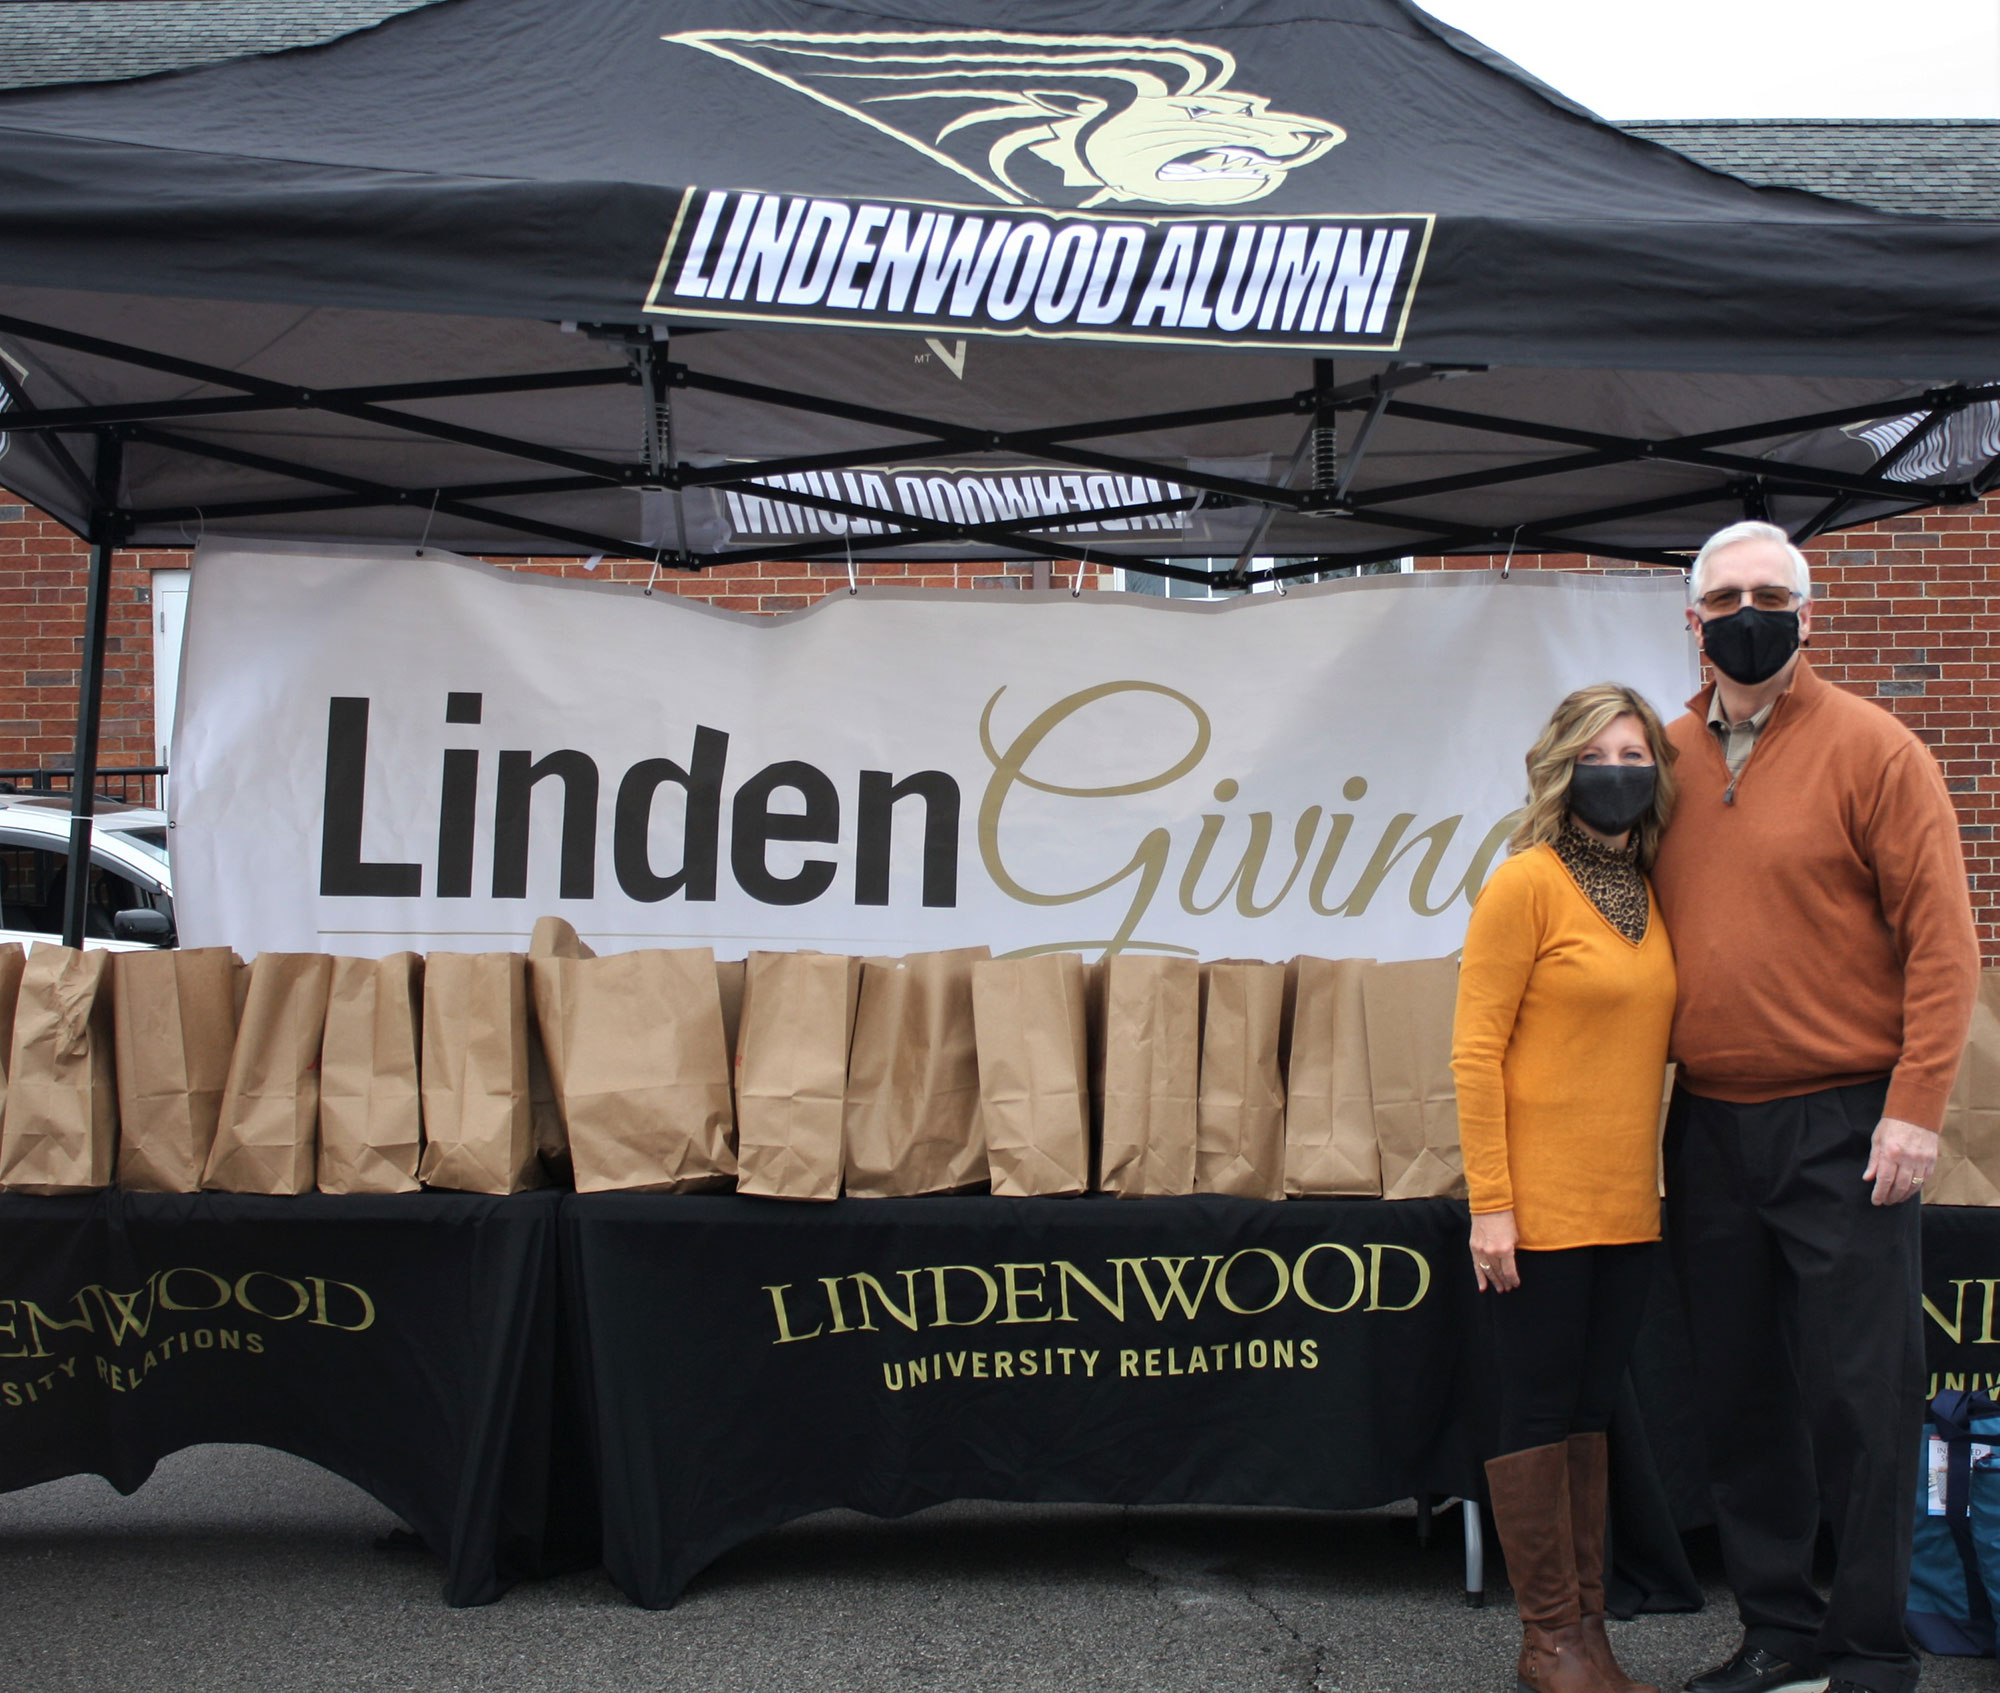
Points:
(1611, 798)
(1751, 646)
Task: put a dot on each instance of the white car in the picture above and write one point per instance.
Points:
(131, 888)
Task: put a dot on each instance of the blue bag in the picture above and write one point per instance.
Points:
(1955, 1562)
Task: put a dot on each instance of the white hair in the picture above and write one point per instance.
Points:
(1750, 531)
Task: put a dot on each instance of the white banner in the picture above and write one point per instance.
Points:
(377, 750)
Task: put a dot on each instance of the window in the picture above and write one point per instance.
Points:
(34, 880)
(1141, 582)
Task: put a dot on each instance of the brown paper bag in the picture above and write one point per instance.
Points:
(13, 960)
(1329, 1107)
(911, 1122)
(791, 1072)
(637, 1055)
(553, 937)
(267, 1136)
(479, 1130)
(175, 1020)
(1033, 1047)
(59, 1132)
(1152, 1073)
(1968, 1166)
(729, 986)
(1240, 1109)
(370, 1112)
(1409, 1014)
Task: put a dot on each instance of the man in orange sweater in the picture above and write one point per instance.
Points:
(1814, 886)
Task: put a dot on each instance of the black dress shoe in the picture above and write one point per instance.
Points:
(1754, 1670)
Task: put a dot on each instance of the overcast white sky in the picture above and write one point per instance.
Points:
(1751, 58)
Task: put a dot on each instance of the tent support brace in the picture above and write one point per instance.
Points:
(931, 438)
(106, 525)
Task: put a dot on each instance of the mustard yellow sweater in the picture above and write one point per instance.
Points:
(1559, 1051)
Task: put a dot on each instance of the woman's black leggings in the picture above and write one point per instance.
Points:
(1564, 1337)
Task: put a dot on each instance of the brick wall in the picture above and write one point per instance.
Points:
(1905, 613)
(42, 568)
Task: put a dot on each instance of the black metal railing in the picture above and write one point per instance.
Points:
(134, 784)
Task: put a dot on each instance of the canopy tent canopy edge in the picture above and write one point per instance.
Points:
(743, 281)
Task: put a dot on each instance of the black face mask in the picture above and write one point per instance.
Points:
(1751, 646)
(1612, 797)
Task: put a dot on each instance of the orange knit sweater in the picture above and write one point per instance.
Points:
(1559, 1051)
(1820, 913)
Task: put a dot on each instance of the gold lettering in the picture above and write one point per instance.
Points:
(1354, 1262)
(1309, 1354)
(1243, 879)
(832, 1286)
(8, 1329)
(1375, 1277)
(1174, 1292)
(1070, 1273)
(1148, 862)
(1222, 1282)
(1475, 873)
(321, 1318)
(1128, 1362)
(1016, 1293)
(784, 1320)
(1389, 852)
(863, 1282)
(892, 1375)
(38, 1320)
(945, 1319)
(164, 1290)
(243, 1296)
(1956, 1327)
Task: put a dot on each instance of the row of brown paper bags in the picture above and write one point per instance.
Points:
(935, 1073)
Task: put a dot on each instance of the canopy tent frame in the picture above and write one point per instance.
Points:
(1743, 479)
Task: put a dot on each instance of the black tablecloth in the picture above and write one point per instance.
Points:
(409, 1344)
(754, 1361)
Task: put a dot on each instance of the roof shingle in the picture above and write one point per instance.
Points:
(53, 41)
(1946, 167)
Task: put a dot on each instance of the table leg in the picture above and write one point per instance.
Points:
(1475, 1553)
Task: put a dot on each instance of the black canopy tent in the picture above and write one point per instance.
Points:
(769, 279)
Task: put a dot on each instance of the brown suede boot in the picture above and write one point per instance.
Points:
(1589, 1502)
(1530, 1493)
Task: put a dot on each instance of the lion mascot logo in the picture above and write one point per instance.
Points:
(1125, 118)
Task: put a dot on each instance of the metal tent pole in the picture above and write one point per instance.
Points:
(105, 524)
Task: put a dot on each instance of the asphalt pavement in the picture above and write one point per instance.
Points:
(240, 1569)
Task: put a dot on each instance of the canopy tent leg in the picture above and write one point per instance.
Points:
(104, 537)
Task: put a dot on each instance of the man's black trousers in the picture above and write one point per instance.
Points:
(1803, 1306)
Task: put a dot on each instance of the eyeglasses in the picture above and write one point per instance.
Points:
(1720, 602)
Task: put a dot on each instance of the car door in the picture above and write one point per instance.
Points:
(34, 882)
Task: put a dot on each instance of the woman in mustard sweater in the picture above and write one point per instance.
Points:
(1565, 1000)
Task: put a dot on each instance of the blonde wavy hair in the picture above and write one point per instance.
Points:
(1578, 721)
